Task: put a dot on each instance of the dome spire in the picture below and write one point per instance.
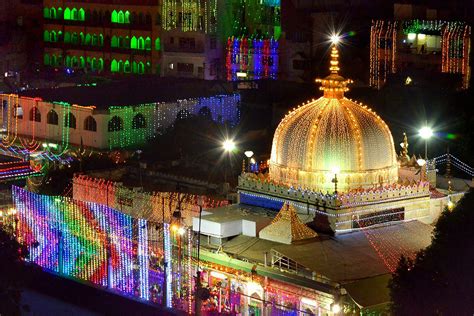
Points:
(334, 64)
(334, 85)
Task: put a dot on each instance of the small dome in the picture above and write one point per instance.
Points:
(330, 133)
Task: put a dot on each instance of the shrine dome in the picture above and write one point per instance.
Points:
(333, 135)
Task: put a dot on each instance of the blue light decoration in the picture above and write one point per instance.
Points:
(86, 241)
(260, 201)
(169, 278)
(251, 58)
(143, 259)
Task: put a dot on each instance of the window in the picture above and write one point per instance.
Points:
(46, 13)
(148, 43)
(138, 121)
(90, 124)
(133, 43)
(114, 66)
(141, 43)
(46, 59)
(35, 114)
(46, 37)
(74, 15)
(18, 113)
(115, 124)
(114, 41)
(67, 14)
(114, 17)
(70, 120)
(52, 117)
(81, 15)
(158, 44)
(120, 17)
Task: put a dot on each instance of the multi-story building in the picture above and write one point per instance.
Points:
(105, 117)
(428, 44)
(184, 38)
(252, 31)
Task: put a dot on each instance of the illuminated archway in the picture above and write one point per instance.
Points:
(134, 43)
(90, 124)
(141, 43)
(67, 14)
(114, 66)
(114, 17)
(115, 124)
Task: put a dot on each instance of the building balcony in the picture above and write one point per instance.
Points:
(105, 48)
(100, 24)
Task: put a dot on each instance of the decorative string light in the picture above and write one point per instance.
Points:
(333, 131)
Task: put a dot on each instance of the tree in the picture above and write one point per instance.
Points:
(12, 274)
(440, 280)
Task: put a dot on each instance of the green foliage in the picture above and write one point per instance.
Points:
(440, 281)
(11, 273)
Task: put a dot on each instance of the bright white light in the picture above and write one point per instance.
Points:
(421, 162)
(335, 39)
(335, 308)
(426, 132)
(421, 36)
(308, 301)
(335, 170)
(241, 74)
(181, 230)
(228, 145)
(411, 36)
(252, 161)
(218, 275)
(450, 205)
(253, 287)
(248, 153)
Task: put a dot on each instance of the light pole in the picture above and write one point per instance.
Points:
(335, 171)
(229, 146)
(426, 133)
(249, 155)
(197, 298)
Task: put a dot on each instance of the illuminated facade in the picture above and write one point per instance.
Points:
(434, 45)
(181, 38)
(329, 133)
(32, 122)
(335, 159)
(252, 30)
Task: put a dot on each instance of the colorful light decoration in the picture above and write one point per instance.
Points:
(97, 244)
(147, 205)
(257, 58)
(333, 131)
(128, 126)
(455, 46)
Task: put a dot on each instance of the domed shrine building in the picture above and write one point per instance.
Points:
(335, 158)
(334, 213)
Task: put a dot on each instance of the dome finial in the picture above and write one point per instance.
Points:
(334, 64)
(334, 85)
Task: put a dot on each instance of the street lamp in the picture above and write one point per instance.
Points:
(426, 133)
(335, 171)
(229, 146)
(249, 155)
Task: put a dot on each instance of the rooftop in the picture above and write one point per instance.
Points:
(132, 91)
(357, 260)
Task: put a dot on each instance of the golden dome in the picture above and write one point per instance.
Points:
(330, 133)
